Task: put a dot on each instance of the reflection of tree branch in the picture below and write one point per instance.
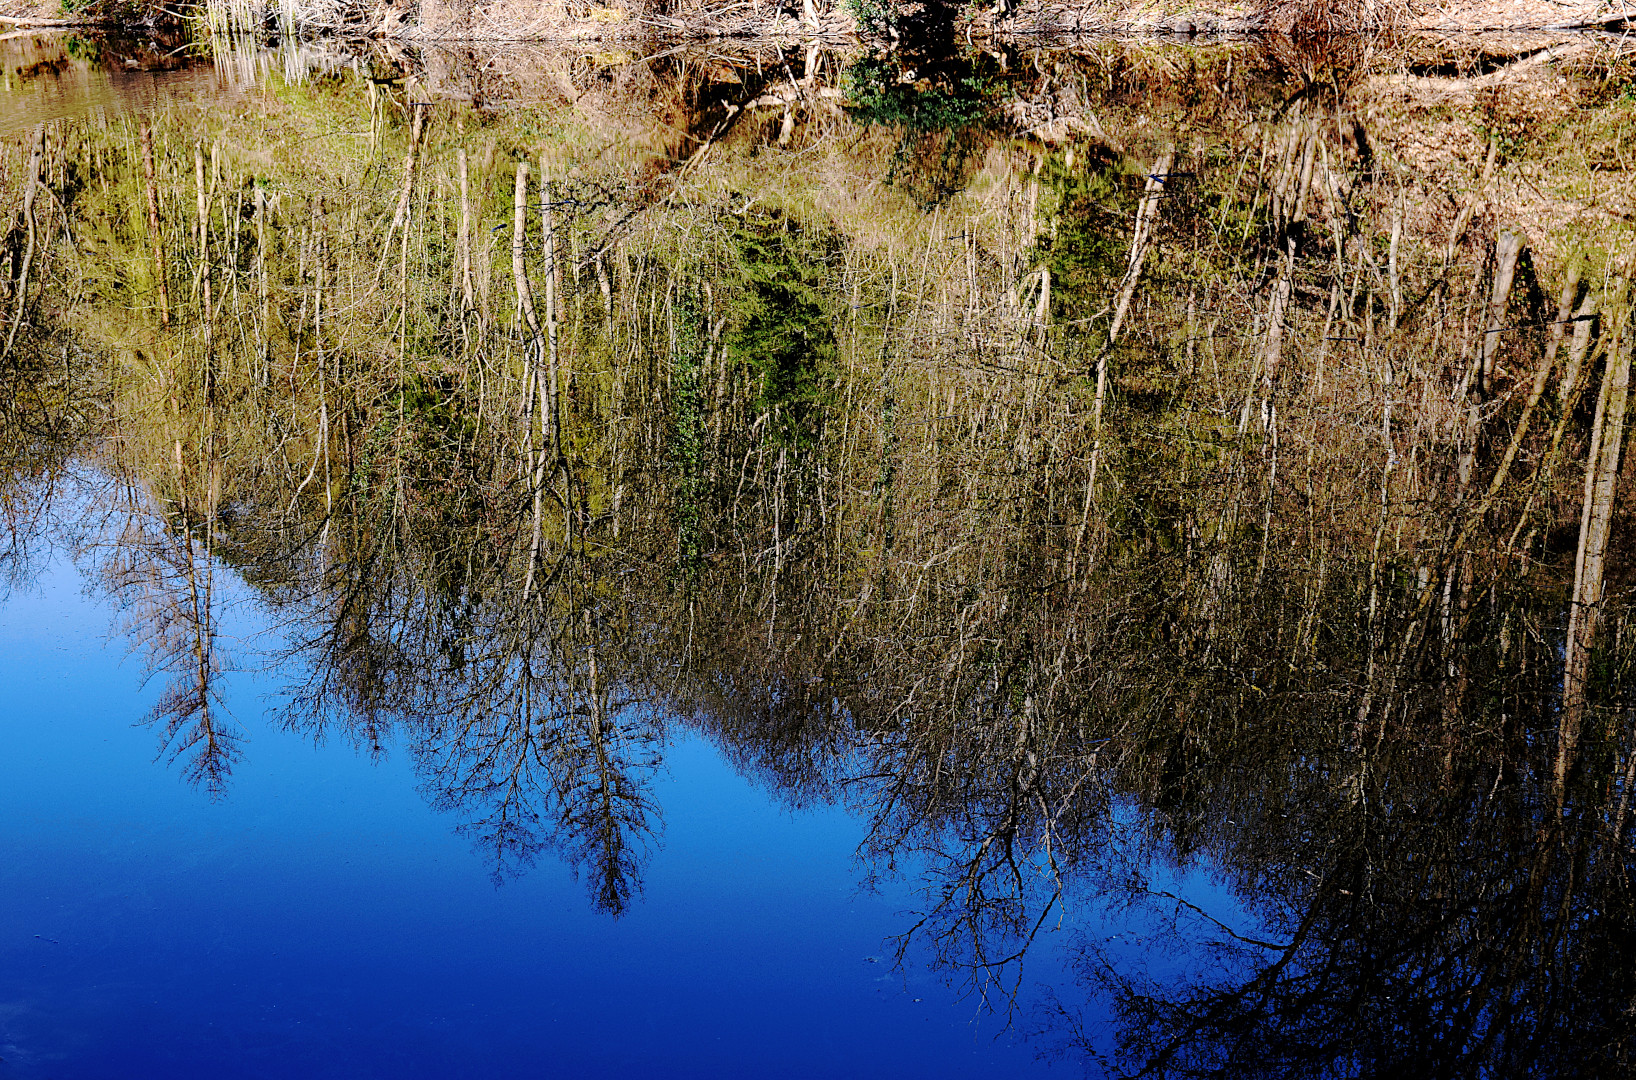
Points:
(1165, 895)
(993, 898)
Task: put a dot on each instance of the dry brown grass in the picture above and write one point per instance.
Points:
(1310, 19)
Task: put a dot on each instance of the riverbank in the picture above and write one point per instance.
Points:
(907, 22)
(889, 22)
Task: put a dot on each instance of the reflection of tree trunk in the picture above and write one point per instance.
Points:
(540, 370)
(554, 387)
(1624, 797)
(400, 216)
(525, 301)
(320, 450)
(1506, 250)
(519, 267)
(1394, 278)
(1147, 212)
(1541, 376)
(153, 224)
(162, 572)
(211, 752)
(1042, 307)
(1536, 391)
(614, 888)
(464, 241)
(1564, 310)
(606, 289)
(1568, 391)
(36, 156)
(1579, 349)
(1271, 352)
(262, 376)
(1596, 519)
(203, 196)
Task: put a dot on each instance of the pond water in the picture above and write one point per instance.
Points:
(789, 561)
(323, 921)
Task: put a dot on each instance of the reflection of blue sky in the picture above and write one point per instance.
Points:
(321, 921)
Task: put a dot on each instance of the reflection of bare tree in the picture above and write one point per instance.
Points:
(505, 681)
(510, 709)
(989, 782)
(161, 574)
(1437, 932)
(538, 749)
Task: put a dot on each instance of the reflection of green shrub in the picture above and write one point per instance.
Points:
(876, 94)
(782, 329)
(1089, 242)
(940, 116)
(434, 412)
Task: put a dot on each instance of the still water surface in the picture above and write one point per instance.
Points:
(322, 921)
(701, 562)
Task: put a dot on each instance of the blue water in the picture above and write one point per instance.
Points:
(321, 921)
